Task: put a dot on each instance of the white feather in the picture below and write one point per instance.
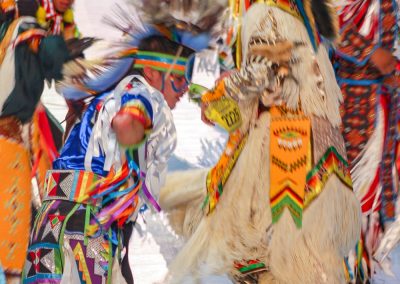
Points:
(367, 163)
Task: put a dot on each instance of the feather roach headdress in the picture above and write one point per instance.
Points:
(183, 24)
(188, 23)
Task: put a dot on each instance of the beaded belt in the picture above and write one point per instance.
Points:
(10, 127)
(69, 185)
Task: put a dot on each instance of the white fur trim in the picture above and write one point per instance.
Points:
(317, 91)
(241, 226)
(367, 163)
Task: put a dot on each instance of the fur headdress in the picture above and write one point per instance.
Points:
(319, 16)
(275, 27)
(363, 15)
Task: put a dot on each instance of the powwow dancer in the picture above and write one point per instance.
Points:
(287, 154)
(122, 140)
(57, 18)
(28, 57)
(365, 65)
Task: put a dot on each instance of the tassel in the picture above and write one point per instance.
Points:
(119, 201)
(118, 211)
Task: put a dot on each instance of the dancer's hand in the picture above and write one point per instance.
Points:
(129, 131)
(384, 60)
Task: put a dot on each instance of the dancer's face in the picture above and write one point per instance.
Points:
(173, 87)
(62, 5)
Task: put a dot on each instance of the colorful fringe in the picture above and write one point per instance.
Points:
(348, 275)
(361, 256)
(330, 163)
(217, 93)
(250, 266)
(139, 113)
(120, 199)
(357, 272)
(120, 190)
(43, 146)
(219, 174)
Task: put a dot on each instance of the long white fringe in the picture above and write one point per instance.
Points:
(241, 226)
(315, 88)
(367, 163)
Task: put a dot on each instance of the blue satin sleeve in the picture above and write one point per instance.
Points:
(72, 155)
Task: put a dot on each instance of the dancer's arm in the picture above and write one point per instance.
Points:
(129, 130)
(133, 121)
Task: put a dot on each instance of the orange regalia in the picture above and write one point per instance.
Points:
(23, 53)
(281, 190)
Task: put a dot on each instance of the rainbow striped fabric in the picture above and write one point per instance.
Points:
(69, 185)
